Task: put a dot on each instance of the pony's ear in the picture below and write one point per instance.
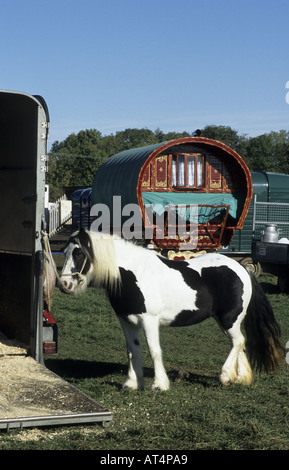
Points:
(85, 244)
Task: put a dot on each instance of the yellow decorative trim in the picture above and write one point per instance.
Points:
(185, 254)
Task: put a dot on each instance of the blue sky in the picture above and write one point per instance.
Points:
(176, 65)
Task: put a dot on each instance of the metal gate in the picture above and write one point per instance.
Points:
(270, 212)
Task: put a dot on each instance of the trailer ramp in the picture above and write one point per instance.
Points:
(31, 395)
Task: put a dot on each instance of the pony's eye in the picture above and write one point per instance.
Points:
(77, 254)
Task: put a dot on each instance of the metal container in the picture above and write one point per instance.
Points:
(270, 234)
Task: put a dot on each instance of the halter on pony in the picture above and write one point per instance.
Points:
(48, 253)
(79, 274)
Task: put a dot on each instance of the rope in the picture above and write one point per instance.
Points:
(47, 252)
(49, 301)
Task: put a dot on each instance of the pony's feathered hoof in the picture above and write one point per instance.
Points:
(225, 380)
(243, 380)
(130, 384)
(161, 386)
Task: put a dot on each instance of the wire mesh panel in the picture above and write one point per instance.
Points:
(271, 212)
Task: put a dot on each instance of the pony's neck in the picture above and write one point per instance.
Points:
(106, 271)
(111, 253)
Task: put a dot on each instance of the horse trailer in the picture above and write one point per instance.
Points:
(24, 329)
(270, 245)
(269, 190)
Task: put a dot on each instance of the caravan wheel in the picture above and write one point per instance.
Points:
(249, 264)
(283, 283)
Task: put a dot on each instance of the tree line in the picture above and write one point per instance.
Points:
(74, 161)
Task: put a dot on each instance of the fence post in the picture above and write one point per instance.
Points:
(55, 221)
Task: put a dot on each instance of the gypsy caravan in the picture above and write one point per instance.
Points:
(199, 188)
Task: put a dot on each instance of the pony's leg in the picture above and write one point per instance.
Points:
(134, 379)
(236, 368)
(151, 329)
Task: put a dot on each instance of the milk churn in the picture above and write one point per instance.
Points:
(270, 234)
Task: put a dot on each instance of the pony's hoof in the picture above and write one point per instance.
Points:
(225, 380)
(160, 388)
(132, 385)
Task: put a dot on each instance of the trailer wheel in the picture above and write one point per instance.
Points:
(249, 264)
(283, 283)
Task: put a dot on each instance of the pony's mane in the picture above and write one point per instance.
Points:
(106, 271)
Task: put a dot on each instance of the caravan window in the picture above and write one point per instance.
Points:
(188, 170)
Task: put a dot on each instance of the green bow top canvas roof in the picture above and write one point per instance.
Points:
(119, 175)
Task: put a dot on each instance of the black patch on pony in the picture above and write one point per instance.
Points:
(218, 294)
(82, 239)
(189, 317)
(128, 298)
(78, 259)
(226, 289)
(190, 276)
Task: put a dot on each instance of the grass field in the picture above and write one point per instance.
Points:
(197, 413)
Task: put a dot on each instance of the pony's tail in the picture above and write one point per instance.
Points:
(263, 333)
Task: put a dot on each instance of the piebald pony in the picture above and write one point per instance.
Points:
(147, 290)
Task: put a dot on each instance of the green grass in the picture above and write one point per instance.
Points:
(197, 413)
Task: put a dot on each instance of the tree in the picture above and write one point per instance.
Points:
(227, 136)
(132, 138)
(74, 161)
(269, 152)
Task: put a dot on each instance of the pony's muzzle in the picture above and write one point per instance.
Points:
(66, 286)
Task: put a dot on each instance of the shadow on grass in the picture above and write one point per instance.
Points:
(269, 288)
(78, 369)
(193, 378)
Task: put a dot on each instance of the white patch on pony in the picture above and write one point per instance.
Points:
(236, 368)
(164, 301)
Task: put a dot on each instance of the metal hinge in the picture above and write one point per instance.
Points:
(45, 126)
(44, 159)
